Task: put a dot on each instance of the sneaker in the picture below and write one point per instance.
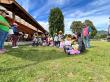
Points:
(15, 47)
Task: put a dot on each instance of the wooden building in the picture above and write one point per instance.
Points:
(26, 23)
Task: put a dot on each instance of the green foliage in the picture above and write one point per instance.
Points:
(90, 24)
(102, 36)
(76, 26)
(56, 21)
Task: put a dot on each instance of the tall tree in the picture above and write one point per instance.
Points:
(94, 30)
(76, 26)
(56, 21)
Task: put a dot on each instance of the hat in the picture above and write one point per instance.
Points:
(3, 9)
(60, 31)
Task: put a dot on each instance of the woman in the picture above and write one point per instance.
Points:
(4, 28)
(86, 36)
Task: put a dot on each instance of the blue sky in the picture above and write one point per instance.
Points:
(97, 11)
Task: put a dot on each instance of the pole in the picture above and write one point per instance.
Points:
(109, 27)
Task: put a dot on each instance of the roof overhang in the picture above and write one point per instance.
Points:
(21, 12)
(7, 1)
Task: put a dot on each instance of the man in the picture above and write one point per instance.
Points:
(4, 28)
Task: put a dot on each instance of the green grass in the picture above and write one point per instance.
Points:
(49, 64)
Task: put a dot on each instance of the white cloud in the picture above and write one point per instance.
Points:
(60, 2)
(100, 22)
(25, 4)
(87, 12)
(44, 25)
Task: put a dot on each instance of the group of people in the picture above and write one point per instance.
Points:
(72, 44)
(47, 40)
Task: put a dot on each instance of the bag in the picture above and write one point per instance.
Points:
(11, 31)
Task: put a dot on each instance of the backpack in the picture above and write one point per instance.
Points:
(15, 30)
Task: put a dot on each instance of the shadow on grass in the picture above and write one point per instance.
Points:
(2, 69)
(35, 54)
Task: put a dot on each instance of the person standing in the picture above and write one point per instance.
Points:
(86, 36)
(56, 40)
(15, 36)
(60, 37)
(89, 36)
(4, 28)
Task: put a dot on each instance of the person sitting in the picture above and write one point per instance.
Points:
(44, 43)
(74, 50)
(62, 44)
(51, 43)
(40, 42)
(67, 44)
(35, 40)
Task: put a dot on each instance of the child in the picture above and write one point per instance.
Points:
(75, 49)
(35, 40)
(44, 43)
(15, 36)
(62, 44)
(51, 43)
(67, 44)
(55, 40)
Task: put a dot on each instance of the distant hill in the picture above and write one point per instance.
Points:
(101, 32)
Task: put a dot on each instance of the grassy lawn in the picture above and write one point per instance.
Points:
(49, 64)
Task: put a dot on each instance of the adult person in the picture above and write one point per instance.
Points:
(4, 28)
(90, 33)
(56, 40)
(60, 37)
(86, 35)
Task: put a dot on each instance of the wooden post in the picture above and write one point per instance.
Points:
(13, 15)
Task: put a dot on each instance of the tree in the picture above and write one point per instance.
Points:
(90, 23)
(56, 21)
(76, 26)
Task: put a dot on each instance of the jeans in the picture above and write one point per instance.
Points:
(14, 40)
(86, 41)
(3, 36)
(56, 43)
